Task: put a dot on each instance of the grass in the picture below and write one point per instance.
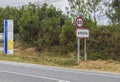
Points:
(30, 55)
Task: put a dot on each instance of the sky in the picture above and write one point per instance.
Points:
(15, 2)
(59, 4)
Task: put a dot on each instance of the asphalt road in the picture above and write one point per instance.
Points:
(21, 72)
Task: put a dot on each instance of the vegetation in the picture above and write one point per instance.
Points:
(48, 30)
(113, 12)
(93, 7)
(105, 43)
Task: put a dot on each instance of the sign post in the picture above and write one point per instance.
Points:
(78, 53)
(85, 53)
(79, 25)
(8, 36)
(81, 33)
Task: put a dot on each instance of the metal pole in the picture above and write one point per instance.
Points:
(85, 53)
(78, 53)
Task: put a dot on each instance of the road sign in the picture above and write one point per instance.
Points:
(79, 22)
(8, 36)
(82, 33)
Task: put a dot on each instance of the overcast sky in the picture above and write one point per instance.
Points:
(57, 3)
(60, 4)
(15, 2)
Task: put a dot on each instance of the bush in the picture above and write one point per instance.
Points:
(106, 42)
(67, 36)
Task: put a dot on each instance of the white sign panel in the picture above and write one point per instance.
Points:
(8, 36)
(82, 33)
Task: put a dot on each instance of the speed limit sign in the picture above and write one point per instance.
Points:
(79, 22)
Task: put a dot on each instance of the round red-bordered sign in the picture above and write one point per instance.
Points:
(79, 22)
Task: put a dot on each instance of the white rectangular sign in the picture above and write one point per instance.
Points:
(82, 33)
(8, 36)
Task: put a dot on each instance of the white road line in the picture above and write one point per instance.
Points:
(62, 69)
(85, 72)
(40, 77)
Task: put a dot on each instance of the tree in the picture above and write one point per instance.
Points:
(77, 8)
(50, 28)
(1, 19)
(84, 7)
(113, 12)
(9, 13)
(29, 24)
(93, 7)
(39, 25)
(67, 36)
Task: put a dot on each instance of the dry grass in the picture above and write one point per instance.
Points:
(30, 55)
(100, 65)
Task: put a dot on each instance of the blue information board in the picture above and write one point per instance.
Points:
(8, 36)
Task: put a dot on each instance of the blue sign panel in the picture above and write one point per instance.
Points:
(5, 36)
(8, 36)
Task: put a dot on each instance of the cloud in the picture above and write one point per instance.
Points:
(4, 3)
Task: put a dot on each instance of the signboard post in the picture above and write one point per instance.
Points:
(85, 53)
(78, 53)
(81, 33)
(8, 36)
(79, 25)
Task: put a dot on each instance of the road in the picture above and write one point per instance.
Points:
(22, 72)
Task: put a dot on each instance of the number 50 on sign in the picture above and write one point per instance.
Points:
(79, 22)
